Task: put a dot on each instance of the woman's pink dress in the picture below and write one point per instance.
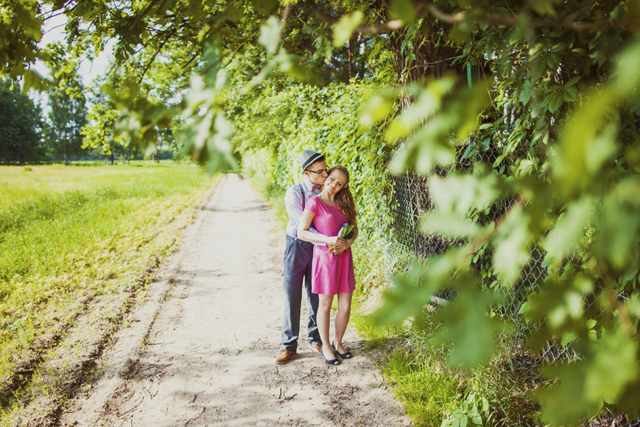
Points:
(330, 273)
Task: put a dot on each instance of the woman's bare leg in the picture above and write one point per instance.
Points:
(342, 318)
(324, 319)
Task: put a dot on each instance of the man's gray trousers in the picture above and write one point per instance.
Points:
(298, 256)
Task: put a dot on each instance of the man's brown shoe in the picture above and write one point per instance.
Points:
(285, 356)
(317, 346)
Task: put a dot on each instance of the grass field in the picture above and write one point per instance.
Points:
(71, 234)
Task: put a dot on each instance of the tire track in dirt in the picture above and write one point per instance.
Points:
(204, 354)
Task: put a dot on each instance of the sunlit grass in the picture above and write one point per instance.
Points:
(69, 234)
(427, 394)
(22, 183)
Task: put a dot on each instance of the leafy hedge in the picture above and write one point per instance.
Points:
(273, 125)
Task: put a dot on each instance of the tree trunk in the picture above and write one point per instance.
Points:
(431, 59)
(350, 59)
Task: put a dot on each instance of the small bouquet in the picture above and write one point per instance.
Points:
(346, 231)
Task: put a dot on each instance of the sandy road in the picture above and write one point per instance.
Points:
(200, 351)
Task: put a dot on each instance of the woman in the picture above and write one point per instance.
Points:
(332, 272)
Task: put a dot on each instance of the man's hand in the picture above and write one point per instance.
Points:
(341, 246)
(331, 241)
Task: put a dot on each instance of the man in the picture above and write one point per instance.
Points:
(298, 256)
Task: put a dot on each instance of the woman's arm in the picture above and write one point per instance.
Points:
(305, 234)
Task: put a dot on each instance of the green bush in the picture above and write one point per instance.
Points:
(275, 124)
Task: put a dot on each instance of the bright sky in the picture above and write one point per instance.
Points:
(53, 31)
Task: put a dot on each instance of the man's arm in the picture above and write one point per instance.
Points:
(305, 234)
(293, 204)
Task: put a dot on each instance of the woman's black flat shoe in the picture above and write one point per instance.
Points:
(346, 355)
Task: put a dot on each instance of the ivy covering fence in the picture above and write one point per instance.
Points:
(283, 118)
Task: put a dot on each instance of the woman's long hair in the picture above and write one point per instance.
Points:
(344, 198)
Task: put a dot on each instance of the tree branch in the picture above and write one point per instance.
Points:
(153, 58)
(508, 21)
(456, 18)
(139, 17)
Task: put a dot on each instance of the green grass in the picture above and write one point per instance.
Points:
(18, 183)
(427, 389)
(427, 393)
(69, 234)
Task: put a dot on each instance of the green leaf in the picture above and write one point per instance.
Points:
(196, 9)
(403, 10)
(295, 67)
(270, 35)
(512, 250)
(608, 366)
(476, 419)
(469, 326)
(343, 30)
(614, 365)
(572, 81)
(569, 229)
(628, 79)
(407, 297)
(565, 403)
(33, 80)
(375, 108)
(423, 109)
(447, 225)
(266, 7)
(459, 193)
(581, 150)
(556, 102)
(525, 92)
(618, 227)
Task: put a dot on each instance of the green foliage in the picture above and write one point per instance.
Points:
(99, 132)
(425, 393)
(276, 124)
(68, 111)
(468, 413)
(564, 155)
(20, 30)
(20, 126)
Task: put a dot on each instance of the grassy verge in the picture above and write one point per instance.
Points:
(435, 394)
(69, 236)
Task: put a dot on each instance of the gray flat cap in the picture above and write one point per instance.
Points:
(309, 156)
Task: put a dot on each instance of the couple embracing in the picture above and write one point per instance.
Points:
(318, 208)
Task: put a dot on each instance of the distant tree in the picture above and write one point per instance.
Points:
(20, 126)
(98, 131)
(68, 111)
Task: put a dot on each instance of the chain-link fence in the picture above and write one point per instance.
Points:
(411, 199)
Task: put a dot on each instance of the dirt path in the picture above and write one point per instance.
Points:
(200, 351)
